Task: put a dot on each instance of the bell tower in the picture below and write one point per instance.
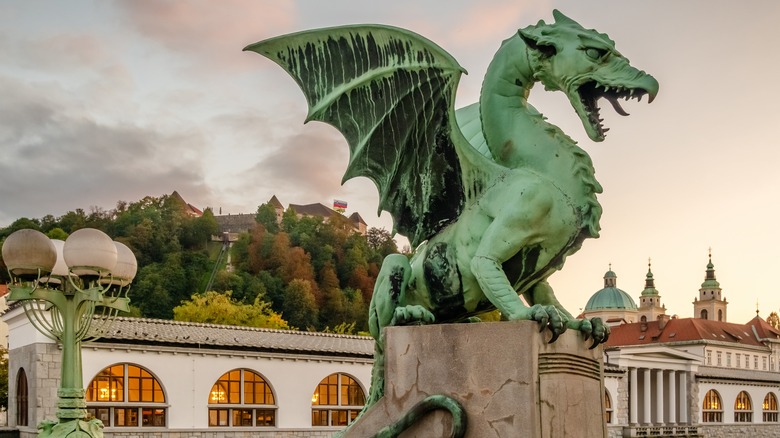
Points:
(650, 307)
(711, 304)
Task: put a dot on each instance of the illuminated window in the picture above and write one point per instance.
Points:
(337, 401)
(126, 395)
(21, 398)
(770, 408)
(607, 407)
(743, 408)
(712, 408)
(241, 398)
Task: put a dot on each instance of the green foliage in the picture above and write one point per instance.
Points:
(317, 274)
(298, 305)
(221, 308)
(266, 216)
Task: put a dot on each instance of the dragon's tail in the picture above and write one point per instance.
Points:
(430, 403)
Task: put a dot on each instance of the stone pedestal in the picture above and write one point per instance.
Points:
(510, 381)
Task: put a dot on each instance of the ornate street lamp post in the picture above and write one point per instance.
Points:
(71, 291)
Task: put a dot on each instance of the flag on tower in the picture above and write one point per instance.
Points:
(339, 205)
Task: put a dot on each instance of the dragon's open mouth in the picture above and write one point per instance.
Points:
(591, 91)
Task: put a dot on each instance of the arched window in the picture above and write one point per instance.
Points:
(703, 313)
(712, 408)
(643, 318)
(126, 395)
(22, 406)
(607, 407)
(720, 315)
(770, 408)
(241, 398)
(337, 401)
(743, 408)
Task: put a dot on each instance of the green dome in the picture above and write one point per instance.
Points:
(610, 298)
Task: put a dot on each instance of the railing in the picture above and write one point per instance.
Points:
(661, 431)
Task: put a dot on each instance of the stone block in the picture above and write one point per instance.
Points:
(510, 381)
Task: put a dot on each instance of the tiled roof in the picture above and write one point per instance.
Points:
(357, 219)
(763, 329)
(680, 330)
(738, 374)
(313, 210)
(274, 202)
(176, 333)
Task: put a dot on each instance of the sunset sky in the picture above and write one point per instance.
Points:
(104, 101)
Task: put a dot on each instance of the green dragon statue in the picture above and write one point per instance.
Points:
(492, 196)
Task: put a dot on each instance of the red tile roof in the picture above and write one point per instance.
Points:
(690, 329)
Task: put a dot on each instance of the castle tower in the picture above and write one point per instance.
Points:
(650, 308)
(710, 305)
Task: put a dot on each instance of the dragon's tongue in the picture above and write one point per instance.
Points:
(616, 105)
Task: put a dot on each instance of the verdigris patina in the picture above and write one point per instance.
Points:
(492, 196)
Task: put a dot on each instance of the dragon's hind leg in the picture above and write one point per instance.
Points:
(387, 309)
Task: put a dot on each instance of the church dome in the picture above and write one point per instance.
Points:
(610, 297)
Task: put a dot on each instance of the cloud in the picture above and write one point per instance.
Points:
(307, 166)
(208, 29)
(56, 159)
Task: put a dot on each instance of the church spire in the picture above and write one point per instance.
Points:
(649, 282)
(709, 277)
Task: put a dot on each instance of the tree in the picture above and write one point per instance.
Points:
(215, 308)
(266, 216)
(381, 242)
(298, 305)
(774, 320)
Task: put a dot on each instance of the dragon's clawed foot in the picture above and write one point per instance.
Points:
(591, 328)
(406, 315)
(548, 317)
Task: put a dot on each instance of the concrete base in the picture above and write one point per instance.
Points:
(510, 381)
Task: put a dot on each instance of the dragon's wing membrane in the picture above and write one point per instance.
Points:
(391, 93)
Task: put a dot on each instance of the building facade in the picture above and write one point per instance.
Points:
(700, 376)
(172, 379)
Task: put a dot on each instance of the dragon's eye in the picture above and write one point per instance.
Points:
(595, 53)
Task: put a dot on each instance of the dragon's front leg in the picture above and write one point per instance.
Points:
(499, 291)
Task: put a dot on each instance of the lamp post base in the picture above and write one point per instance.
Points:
(72, 414)
(71, 429)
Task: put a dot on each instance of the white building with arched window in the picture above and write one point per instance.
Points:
(173, 379)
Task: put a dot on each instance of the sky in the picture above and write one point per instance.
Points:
(102, 101)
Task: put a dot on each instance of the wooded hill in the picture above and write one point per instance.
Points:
(301, 273)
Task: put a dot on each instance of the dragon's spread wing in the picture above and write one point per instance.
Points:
(391, 93)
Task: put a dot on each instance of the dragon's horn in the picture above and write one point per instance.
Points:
(562, 19)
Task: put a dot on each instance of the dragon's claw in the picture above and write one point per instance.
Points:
(548, 317)
(591, 328)
(406, 315)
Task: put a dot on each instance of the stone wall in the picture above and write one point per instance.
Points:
(43, 379)
(236, 223)
(741, 431)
